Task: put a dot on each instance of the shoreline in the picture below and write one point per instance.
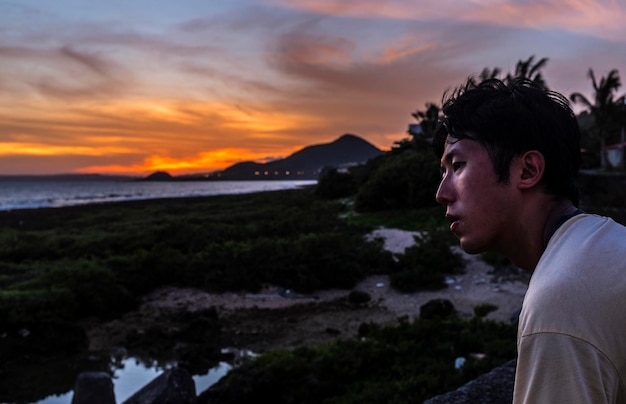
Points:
(51, 194)
(21, 216)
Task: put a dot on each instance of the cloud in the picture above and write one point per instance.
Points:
(129, 88)
(63, 72)
(583, 16)
(213, 160)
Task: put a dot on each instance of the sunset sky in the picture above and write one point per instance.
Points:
(189, 86)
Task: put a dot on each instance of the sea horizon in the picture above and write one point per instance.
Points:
(38, 192)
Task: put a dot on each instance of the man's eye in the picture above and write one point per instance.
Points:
(457, 165)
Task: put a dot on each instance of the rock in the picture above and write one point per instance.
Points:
(173, 386)
(437, 308)
(359, 297)
(364, 330)
(332, 331)
(494, 387)
(93, 388)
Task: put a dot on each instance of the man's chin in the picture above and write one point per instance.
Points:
(471, 248)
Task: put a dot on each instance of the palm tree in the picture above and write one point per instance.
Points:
(526, 69)
(605, 108)
(489, 73)
(486, 74)
(428, 120)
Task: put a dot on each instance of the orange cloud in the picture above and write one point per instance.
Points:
(404, 47)
(33, 149)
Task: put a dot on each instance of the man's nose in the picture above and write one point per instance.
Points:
(443, 194)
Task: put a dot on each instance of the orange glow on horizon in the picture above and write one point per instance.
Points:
(209, 161)
(33, 149)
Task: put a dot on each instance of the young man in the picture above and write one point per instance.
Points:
(509, 160)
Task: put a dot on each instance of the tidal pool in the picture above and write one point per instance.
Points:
(132, 374)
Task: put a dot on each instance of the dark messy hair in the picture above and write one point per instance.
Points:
(511, 118)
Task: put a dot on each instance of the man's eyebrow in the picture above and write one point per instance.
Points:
(447, 157)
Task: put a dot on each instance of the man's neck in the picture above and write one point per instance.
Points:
(554, 219)
(537, 224)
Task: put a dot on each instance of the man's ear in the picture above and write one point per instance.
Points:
(532, 165)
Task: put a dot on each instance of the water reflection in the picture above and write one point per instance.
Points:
(131, 374)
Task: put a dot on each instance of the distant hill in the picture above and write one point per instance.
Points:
(307, 163)
(159, 176)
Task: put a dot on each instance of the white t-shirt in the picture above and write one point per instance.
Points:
(572, 331)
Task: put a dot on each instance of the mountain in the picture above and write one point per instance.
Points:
(307, 163)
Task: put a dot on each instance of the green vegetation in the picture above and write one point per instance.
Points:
(63, 265)
(404, 219)
(404, 364)
(96, 260)
(482, 310)
(404, 179)
(426, 264)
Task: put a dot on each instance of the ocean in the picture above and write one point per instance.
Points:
(48, 193)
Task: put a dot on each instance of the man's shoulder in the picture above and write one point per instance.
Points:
(587, 230)
(582, 271)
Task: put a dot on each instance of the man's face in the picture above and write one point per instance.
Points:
(480, 209)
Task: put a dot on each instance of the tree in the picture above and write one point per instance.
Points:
(401, 180)
(606, 110)
(526, 69)
(489, 73)
(428, 121)
(486, 74)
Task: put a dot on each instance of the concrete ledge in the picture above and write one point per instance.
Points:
(495, 387)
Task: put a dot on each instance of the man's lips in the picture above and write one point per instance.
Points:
(454, 222)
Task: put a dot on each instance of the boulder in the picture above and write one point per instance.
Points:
(437, 308)
(173, 386)
(93, 388)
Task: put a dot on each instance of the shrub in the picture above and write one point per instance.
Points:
(401, 180)
(437, 308)
(333, 185)
(70, 290)
(35, 305)
(404, 364)
(483, 309)
(425, 264)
